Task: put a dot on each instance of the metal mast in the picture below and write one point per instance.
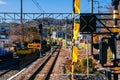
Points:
(21, 20)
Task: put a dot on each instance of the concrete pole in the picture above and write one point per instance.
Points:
(21, 20)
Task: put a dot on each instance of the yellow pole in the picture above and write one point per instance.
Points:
(72, 77)
(72, 71)
(76, 10)
(115, 17)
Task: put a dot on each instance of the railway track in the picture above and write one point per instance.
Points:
(44, 74)
(8, 68)
(44, 70)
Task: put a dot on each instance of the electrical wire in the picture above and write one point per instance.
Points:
(38, 6)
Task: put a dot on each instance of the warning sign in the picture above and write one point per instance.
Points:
(34, 45)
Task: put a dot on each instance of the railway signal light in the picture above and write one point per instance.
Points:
(96, 45)
(111, 43)
(96, 56)
(103, 52)
(102, 46)
(87, 23)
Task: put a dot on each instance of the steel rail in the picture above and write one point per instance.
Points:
(41, 66)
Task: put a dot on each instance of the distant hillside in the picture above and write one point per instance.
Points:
(31, 28)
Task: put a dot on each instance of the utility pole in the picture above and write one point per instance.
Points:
(21, 20)
(91, 10)
(91, 6)
(66, 25)
(115, 4)
(41, 37)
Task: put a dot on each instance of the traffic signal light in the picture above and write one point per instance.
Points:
(40, 28)
(103, 52)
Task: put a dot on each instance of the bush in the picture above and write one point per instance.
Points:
(80, 66)
(54, 44)
(67, 71)
(91, 70)
(82, 46)
(84, 62)
(23, 52)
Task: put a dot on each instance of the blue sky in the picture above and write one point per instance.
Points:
(49, 6)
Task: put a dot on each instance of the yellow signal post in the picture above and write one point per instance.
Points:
(75, 54)
(115, 17)
(115, 14)
(115, 4)
(116, 70)
(76, 30)
(115, 29)
(76, 10)
(77, 6)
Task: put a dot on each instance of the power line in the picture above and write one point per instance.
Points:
(38, 6)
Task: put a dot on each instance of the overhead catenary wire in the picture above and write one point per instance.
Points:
(38, 6)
